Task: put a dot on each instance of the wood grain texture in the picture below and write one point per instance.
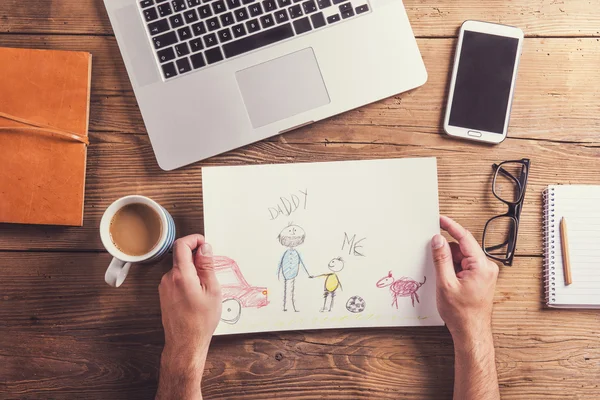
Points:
(124, 164)
(79, 338)
(429, 18)
(555, 98)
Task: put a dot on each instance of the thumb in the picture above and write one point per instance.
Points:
(203, 260)
(442, 258)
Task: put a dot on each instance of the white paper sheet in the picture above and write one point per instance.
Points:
(361, 220)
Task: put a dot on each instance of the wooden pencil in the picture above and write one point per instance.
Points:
(564, 242)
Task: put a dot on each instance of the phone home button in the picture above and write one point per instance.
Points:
(474, 133)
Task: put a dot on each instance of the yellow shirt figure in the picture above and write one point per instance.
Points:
(332, 282)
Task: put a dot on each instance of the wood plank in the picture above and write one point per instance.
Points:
(125, 165)
(554, 99)
(428, 18)
(66, 334)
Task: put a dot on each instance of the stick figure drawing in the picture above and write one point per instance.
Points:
(291, 237)
(332, 282)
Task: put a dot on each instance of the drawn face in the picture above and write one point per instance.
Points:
(336, 265)
(292, 236)
(385, 281)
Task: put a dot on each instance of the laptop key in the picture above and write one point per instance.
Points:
(205, 11)
(252, 26)
(261, 39)
(146, 3)
(227, 19)
(176, 20)
(309, 7)
(269, 5)
(302, 25)
(218, 6)
(247, 1)
(295, 11)
(318, 20)
(183, 65)
(333, 18)
(233, 4)
(362, 9)
(239, 30)
(213, 24)
(281, 16)
(324, 3)
(199, 28)
(348, 14)
(196, 45)
(169, 70)
(165, 40)
(193, 3)
(213, 55)
(255, 10)
(178, 5)
(184, 33)
(190, 16)
(150, 14)
(164, 9)
(198, 61)
(284, 3)
(267, 21)
(210, 40)
(160, 26)
(225, 35)
(241, 14)
(345, 7)
(165, 55)
(182, 49)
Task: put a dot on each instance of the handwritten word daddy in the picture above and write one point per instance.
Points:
(287, 205)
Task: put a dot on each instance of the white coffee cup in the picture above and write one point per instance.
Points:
(119, 267)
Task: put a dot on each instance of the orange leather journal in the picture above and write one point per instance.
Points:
(44, 115)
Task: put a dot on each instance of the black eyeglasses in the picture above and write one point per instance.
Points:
(500, 233)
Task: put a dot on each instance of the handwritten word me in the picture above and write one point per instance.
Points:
(354, 246)
(287, 205)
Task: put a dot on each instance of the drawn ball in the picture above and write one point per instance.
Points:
(231, 312)
(356, 304)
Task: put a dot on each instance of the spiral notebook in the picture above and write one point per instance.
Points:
(580, 206)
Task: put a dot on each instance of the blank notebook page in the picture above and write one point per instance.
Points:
(580, 206)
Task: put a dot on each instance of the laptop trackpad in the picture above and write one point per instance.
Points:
(282, 88)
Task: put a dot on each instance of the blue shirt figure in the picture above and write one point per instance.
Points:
(289, 266)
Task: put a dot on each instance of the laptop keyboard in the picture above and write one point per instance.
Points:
(189, 35)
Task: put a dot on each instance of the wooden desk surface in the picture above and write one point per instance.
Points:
(65, 334)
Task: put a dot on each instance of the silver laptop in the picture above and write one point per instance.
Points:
(213, 75)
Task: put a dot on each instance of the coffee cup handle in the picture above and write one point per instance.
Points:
(117, 272)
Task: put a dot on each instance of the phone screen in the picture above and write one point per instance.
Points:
(483, 81)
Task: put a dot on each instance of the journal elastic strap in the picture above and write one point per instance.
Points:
(36, 127)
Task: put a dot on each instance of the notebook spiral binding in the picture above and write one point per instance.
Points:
(550, 232)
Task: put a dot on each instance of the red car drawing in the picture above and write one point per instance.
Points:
(237, 292)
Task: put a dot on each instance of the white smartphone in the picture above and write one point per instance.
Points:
(483, 81)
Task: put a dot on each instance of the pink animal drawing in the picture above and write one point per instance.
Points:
(402, 287)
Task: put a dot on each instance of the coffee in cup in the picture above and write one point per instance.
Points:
(135, 229)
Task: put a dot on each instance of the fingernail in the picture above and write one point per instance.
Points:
(437, 242)
(206, 249)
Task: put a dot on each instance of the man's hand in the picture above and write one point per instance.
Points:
(190, 302)
(466, 280)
